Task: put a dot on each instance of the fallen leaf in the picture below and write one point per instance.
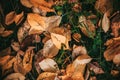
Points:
(19, 18)
(76, 37)
(4, 59)
(115, 72)
(49, 49)
(115, 25)
(46, 76)
(49, 65)
(5, 52)
(15, 76)
(1, 29)
(78, 50)
(58, 40)
(116, 59)
(23, 31)
(26, 3)
(104, 6)
(105, 23)
(40, 24)
(87, 27)
(15, 46)
(6, 33)
(27, 60)
(8, 65)
(95, 67)
(10, 17)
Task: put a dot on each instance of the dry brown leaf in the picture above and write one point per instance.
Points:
(116, 25)
(15, 46)
(8, 65)
(18, 66)
(95, 67)
(78, 50)
(104, 6)
(5, 52)
(40, 24)
(15, 76)
(27, 60)
(6, 33)
(23, 31)
(116, 59)
(49, 65)
(49, 49)
(115, 72)
(87, 27)
(45, 9)
(1, 29)
(105, 23)
(19, 17)
(76, 37)
(112, 50)
(93, 78)
(58, 40)
(4, 60)
(46, 76)
(26, 3)
(10, 17)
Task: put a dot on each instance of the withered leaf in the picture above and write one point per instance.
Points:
(10, 17)
(26, 3)
(15, 76)
(96, 68)
(27, 60)
(15, 46)
(87, 27)
(116, 59)
(19, 18)
(4, 60)
(46, 76)
(49, 49)
(40, 24)
(23, 31)
(49, 65)
(5, 52)
(105, 23)
(6, 33)
(58, 40)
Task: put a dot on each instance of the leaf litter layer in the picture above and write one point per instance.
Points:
(59, 39)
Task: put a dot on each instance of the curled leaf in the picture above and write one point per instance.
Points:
(4, 60)
(15, 46)
(49, 65)
(6, 33)
(105, 23)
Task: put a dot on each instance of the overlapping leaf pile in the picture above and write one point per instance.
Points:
(61, 40)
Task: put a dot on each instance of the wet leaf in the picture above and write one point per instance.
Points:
(49, 65)
(105, 23)
(15, 76)
(49, 49)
